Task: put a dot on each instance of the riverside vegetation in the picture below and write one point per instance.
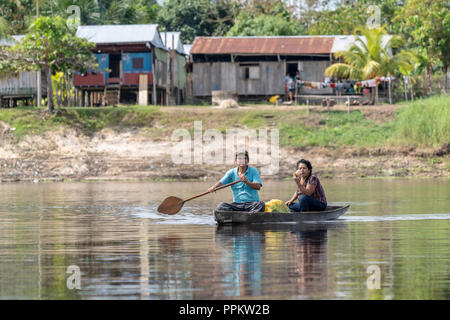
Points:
(412, 140)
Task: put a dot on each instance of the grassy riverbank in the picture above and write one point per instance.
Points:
(424, 123)
(134, 142)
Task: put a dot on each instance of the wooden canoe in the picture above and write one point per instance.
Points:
(331, 213)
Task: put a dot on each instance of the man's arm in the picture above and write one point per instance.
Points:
(216, 185)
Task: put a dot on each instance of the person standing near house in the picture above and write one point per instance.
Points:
(298, 82)
(245, 194)
(289, 85)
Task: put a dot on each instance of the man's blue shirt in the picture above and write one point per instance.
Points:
(241, 191)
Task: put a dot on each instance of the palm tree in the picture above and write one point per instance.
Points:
(372, 57)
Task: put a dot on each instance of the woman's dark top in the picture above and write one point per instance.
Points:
(319, 193)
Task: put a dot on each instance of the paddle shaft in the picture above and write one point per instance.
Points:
(218, 188)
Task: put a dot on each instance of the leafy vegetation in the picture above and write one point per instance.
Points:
(372, 58)
(426, 122)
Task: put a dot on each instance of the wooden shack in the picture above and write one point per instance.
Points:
(256, 66)
(126, 54)
(21, 86)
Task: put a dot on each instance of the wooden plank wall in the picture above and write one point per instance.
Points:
(313, 70)
(25, 80)
(230, 77)
(160, 73)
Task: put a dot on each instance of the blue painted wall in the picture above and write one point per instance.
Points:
(103, 62)
(127, 62)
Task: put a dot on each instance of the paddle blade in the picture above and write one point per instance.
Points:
(171, 205)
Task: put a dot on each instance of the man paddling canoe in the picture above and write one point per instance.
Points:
(245, 194)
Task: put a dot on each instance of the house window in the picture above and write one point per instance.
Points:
(249, 71)
(138, 63)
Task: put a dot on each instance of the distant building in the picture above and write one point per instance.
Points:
(256, 66)
(21, 86)
(125, 53)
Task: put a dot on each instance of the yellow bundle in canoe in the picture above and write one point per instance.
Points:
(276, 205)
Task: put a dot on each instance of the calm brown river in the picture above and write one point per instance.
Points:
(107, 241)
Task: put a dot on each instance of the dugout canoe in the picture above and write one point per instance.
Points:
(227, 217)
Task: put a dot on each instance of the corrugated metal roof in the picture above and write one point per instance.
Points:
(130, 33)
(187, 48)
(172, 41)
(10, 41)
(295, 45)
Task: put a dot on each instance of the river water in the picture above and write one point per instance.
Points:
(106, 240)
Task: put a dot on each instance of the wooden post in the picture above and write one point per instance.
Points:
(38, 88)
(154, 100)
(143, 90)
(168, 77)
(406, 93)
(348, 101)
(390, 91)
(105, 101)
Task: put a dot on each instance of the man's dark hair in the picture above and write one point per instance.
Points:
(245, 152)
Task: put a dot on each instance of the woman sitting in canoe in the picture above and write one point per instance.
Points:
(310, 194)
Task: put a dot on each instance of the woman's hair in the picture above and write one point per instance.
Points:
(308, 164)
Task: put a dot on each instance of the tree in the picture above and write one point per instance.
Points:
(16, 13)
(4, 28)
(264, 25)
(371, 58)
(104, 11)
(342, 20)
(50, 46)
(348, 14)
(426, 26)
(197, 17)
(266, 18)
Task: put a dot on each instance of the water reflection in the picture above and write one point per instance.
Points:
(294, 255)
(126, 250)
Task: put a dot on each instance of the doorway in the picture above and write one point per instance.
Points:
(114, 65)
(292, 69)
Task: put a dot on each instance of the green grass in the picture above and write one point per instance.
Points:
(336, 128)
(27, 120)
(425, 122)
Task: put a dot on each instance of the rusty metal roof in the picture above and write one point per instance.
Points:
(295, 45)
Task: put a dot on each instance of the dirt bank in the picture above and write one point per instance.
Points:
(134, 154)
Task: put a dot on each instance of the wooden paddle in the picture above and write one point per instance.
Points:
(173, 205)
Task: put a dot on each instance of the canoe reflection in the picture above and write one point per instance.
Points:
(280, 259)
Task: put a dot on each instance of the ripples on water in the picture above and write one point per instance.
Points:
(127, 250)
